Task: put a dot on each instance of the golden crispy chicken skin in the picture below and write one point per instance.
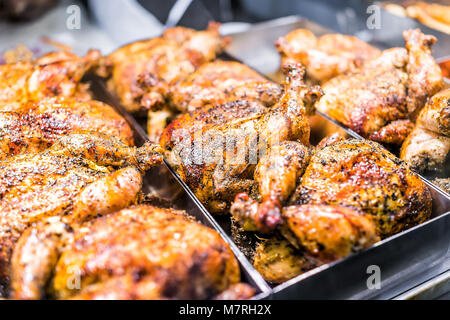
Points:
(54, 74)
(323, 232)
(364, 175)
(143, 252)
(327, 56)
(219, 82)
(207, 118)
(214, 86)
(428, 145)
(35, 126)
(382, 97)
(159, 62)
(81, 175)
(218, 165)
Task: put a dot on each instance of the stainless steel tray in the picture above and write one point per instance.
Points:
(406, 260)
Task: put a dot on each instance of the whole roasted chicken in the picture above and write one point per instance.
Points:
(53, 74)
(160, 62)
(216, 149)
(79, 177)
(350, 194)
(363, 175)
(143, 252)
(381, 99)
(428, 145)
(327, 56)
(30, 127)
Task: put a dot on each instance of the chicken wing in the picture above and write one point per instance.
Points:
(34, 126)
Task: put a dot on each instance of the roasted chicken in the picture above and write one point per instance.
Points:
(215, 150)
(160, 62)
(382, 98)
(433, 15)
(428, 145)
(215, 94)
(277, 260)
(213, 84)
(363, 175)
(350, 194)
(53, 74)
(324, 233)
(327, 56)
(30, 127)
(143, 252)
(80, 176)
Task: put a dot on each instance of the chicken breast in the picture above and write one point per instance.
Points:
(363, 175)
